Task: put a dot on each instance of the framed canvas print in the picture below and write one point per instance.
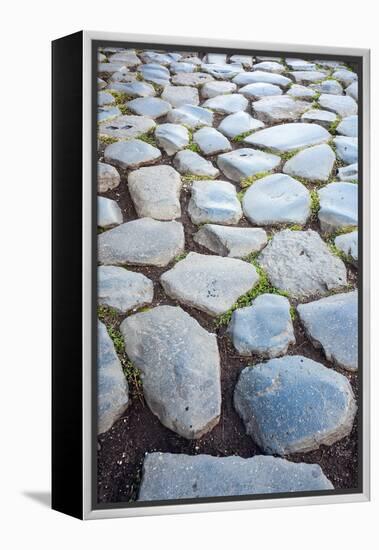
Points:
(210, 275)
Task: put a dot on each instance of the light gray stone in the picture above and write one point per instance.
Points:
(293, 404)
(340, 104)
(216, 88)
(172, 137)
(141, 242)
(222, 71)
(276, 199)
(155, 192)
(245, 162)
(123, 75)
(107, 177)
(352, 90)
(348, 126)
(167, 476)
(226, 103)
(261, 76)
(159, 58)
(180, 95)
(298, 91)
(239, 123)
(264, 328)
(191, 79)
(107, 69)
(300, 64)
(122, 289)
(257, 90)
(178, 67)
(346, 149)
(245, 60)
(279, 109)
(152, 107)
(131, 154)
(105, 98)
(348, 244)
(328, 87)
(323, 118)
(338, 206)
(101, 84)
(289, 137)
(191, 115)
(107, 113)
(127, 58)
(348, 173)
(345, 76)
(108, 213)
(209, 283)
(234, 242)
(313, 164)
(134, 89)
(112, 387)
(300, 263)
(306, 77)
(214, 201)
(126, 127)
(210, 141)
(217, 58)
(190, 163)
(269, 66)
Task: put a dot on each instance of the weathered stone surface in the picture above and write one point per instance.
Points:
(191, 116)
(348, 173)
(227, 103)
(107, 177)
(328, 87)
(188, 162)
(177, 67)
(338, 206)
(298, 91)
(300, 263)
(275, 199)
(332, 324)
(222, 71)
(131, 154)
(345, 76)
(167, 476)
(123, 75)
(180, 95)
(261, 76)
(122, 289)
(348, 126)
(210, 141)
(323, 118)
(294, 404)
(313, 164)
(242, 163)
(126, 127)
(107, 113)
(263, 328)
(348, 244)
(159, 58)
(152, 107)
(180, 367)
(106, 69)
(340, 104)
(239, 123)
(245, 60)
(155, 192)
(108, 212)
(305, 77)
(218, 58)
(288, 137)
(191, 79)
(234, 242)
(270, 66)
(153, 72)
(214, 201)
(127, 58)
(346, 149)
(352, 90)
(172, 137)
(134, 89)
(209, 283)
(217, 87)
(141, 242)
(279, 109)
(300, 64)
(105, 98)
(257, 90)
(112, 387)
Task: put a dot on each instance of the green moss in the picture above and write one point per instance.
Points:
(180, 257)
(289, 154)
(139, 77)
(246, 182)
(107, 140)
(295, 227)
(157, 87)
(133, 376)
(193, 147)
(194, 177)
(240, 195)
(315, 203)
(124, 110)
(293, 313)
(148, 138)
(241, 137)
(333, 126)
(120, 97)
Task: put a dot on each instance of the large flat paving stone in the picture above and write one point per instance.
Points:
(133, 89)
(323, 118)
(107, 177)
(340, 104)
(214, 201)
(348, 244)
(108, 213)
(226, 103)
(180, 368)
(211, 141)
(216, 88)
(172, 137)
(273, 110)
(270, 66)
(345, 76)
(348, 126)
(276, 199)
(300, 263)
(112, 386)
(297, 91)
(153, 72)
(289, 137)
(190, 163)
(141, 242)
(243, 79)
(346, 149)
(338, 206)
(258, 90)
(332, 324)
(209, 283)
(131, 154)
(123, 289)
(191, 116)
(180, 95)
(328, 87)
(155, 192)
(167, 476)
(152, 107)
(306, 77)
(263, 328)
(239, 123)
(191, 79)
(126, 127)
(313, 164)
(243, 163)
(107, 113)
(234, 242)
(293, 404)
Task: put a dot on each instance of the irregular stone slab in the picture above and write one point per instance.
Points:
(106, 69)
(155, 192)
(294, 404)
(264, 328)
(345, 76)
(300, 263)
(257, 90)
(134, 89)
(127, 58)
(180, 67)
(239, 123)
(341, 104)
(153, 107)
(122, 289)
(180, 95)
(329, 64)
(300, 64)
(107, 113)
(141, 242)
(126, 127)
(288, 137)
(190, 163)
(332, 324)
(338, 206)
(160, 58)
(277, 199)
(214, 201)
(328, 87)
(191, 79)
(234, 242)
(191, 115)
(305, 77)
(192, 59)
(261, 76)
(216, 88)
(346, 149)
(108, 213)
(348, 173)
(270, 66)
(210, 141)
(348, 126)
(227, 103)
(352, 90)
(105, 98)
(112, 387)
(222, 71)
(242, 163)
(323, 118)
(123, 76)
(301, 92)
(209, 283)
(245, 60)
(279, 109)
(313, 164)
(153, 72)
(348, 244)
(167, 476)
(180, 367)
(107, 177)
(131, 154)
(172, 137)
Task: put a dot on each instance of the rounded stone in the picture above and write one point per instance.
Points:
(210, 141)
(301, 92)
(191, 79)
(216, 88)
(257, 90)
(313, 164)
(226, 103)
(152, 107)
(338, 206)
(239, 123)
(126, 127)
(348, 126)
(131, 154)
(191, 116)
(172, 137)
(346, 149)
(323, 118)
(279, 109)
(122, 289)
(243, 163)
(234, 242)
(342, 105)
(107, 177)
(214, 201)
(243, 79)
(289, 137)
(180, 95)
(190, 163)
(348, 244)
(108, 213)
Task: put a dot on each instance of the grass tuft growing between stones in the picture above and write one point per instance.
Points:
(315, 204)
(193, 177)
(295, 227)
(333, 126)
(246, 182)
(120, 97)
(107, 140)
(148, 138)
(241, 137)
(289, 154)
(180, 257)
(293, 313)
